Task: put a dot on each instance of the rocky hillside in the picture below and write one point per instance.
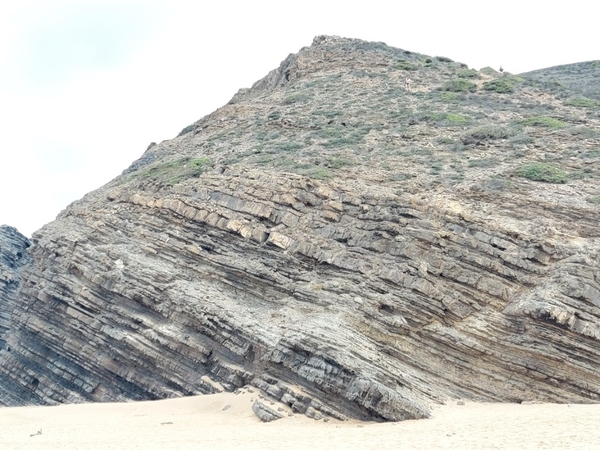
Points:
(579, 79)
(348, 247)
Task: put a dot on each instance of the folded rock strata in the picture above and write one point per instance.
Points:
(339, 296)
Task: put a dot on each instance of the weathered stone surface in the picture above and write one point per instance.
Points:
(265, 413)
(344, 289)
(13, 257)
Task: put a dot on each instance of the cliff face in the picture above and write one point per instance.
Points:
(13, 257)
(348, 247)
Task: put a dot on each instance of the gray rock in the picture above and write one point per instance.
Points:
(14, 258)
(265, 413)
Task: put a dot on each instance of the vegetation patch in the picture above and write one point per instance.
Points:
(338, 136)
(504, 85)
(459, 85)
(468, 73)
(486, 133)
(449, 97)
(288, 146)
(583, 132)
(444, 118)
(443, 59)
(494, 185)
(174, 172)
(318, 173)
(582, 102)
(592, 154)
(484, 162)
(274, 115)
(296, 98)
(405, 65)
(338, 163)
(488, 71)
(521, 139)
(543, 121)
(542, 172)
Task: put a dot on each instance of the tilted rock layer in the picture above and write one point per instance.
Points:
(13, 256)
(310, 239)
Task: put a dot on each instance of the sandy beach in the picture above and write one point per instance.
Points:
(226, 421)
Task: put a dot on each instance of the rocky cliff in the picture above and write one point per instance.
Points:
(13, 256)
(350, 248)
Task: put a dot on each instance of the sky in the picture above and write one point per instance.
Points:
(87, 85)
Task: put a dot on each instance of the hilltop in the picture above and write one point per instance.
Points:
(348, 247)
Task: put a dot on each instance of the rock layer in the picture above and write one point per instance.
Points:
(13, 257)
(338, 296)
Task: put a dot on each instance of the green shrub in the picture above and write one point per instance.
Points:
(542, 172)
(405, 65)
(592, 154)
(543, 121)
(470, 73)
(488, 71)
(288, 146)
(486, 133)
(296, 98)
(318, 173)
(337, 163)
(521, 139)
(173, 172)
(583, 132)
(443, 59)
(444, 119)
(581, 102)
(447, 97)
(436, 168)
(459, 85)
(501, 86)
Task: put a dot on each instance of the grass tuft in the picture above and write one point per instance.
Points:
(543, 121)
(542, 172)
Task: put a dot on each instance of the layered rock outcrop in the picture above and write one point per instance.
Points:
(305, 265)
(13, 257)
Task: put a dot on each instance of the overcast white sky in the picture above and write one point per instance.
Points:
(85, 86)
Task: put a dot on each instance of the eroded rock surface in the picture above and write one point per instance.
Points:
(339, 289)
(13, 257)
(265, 413)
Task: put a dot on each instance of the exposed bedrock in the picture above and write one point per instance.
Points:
(353, 305)
(331, 239)
(13, 257)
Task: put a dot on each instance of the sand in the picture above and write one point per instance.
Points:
(226, 421)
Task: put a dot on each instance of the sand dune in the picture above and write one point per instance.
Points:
(226, 421)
